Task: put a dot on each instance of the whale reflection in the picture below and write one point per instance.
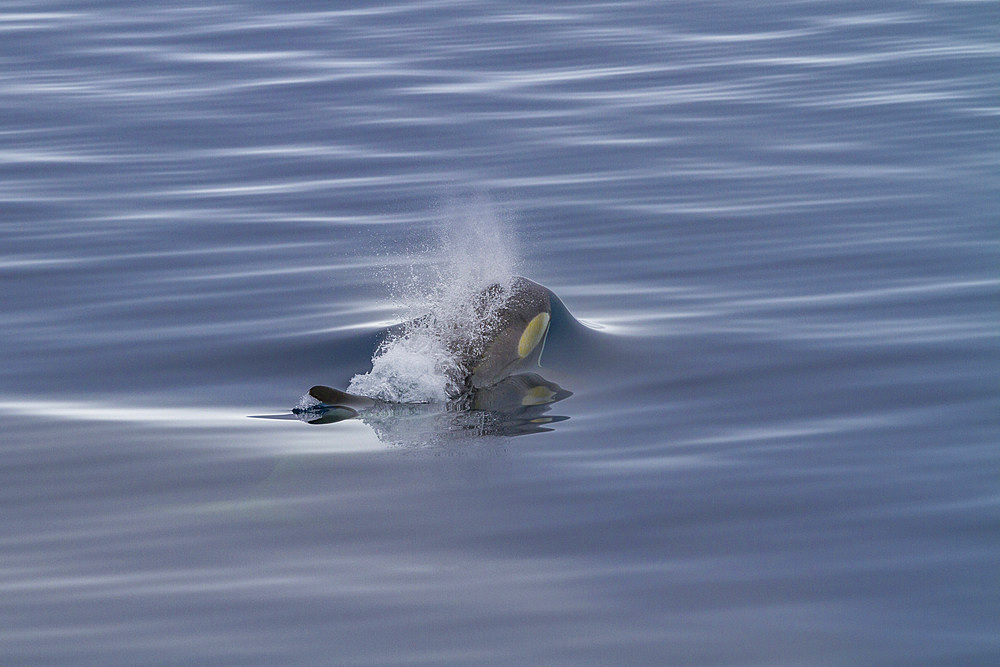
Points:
(516, 405)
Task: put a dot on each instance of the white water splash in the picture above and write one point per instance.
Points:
(443, 307)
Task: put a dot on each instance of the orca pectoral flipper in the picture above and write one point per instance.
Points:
(331, 397)
(326, 405)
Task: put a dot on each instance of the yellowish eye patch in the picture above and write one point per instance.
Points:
(533, 334)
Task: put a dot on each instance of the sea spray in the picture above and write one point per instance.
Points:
(447, 306)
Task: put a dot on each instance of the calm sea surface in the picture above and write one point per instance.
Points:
(779, 220)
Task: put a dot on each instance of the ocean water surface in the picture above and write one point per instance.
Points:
(773, 229)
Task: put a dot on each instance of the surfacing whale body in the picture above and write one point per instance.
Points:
(496, 347)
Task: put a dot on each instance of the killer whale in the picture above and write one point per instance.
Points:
(497, 363)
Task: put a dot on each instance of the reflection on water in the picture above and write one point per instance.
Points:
(516, 405)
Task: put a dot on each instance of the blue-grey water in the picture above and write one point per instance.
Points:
(779, 221)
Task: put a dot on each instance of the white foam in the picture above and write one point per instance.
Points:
(474, 249)
(410, 369)
(307, 402)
